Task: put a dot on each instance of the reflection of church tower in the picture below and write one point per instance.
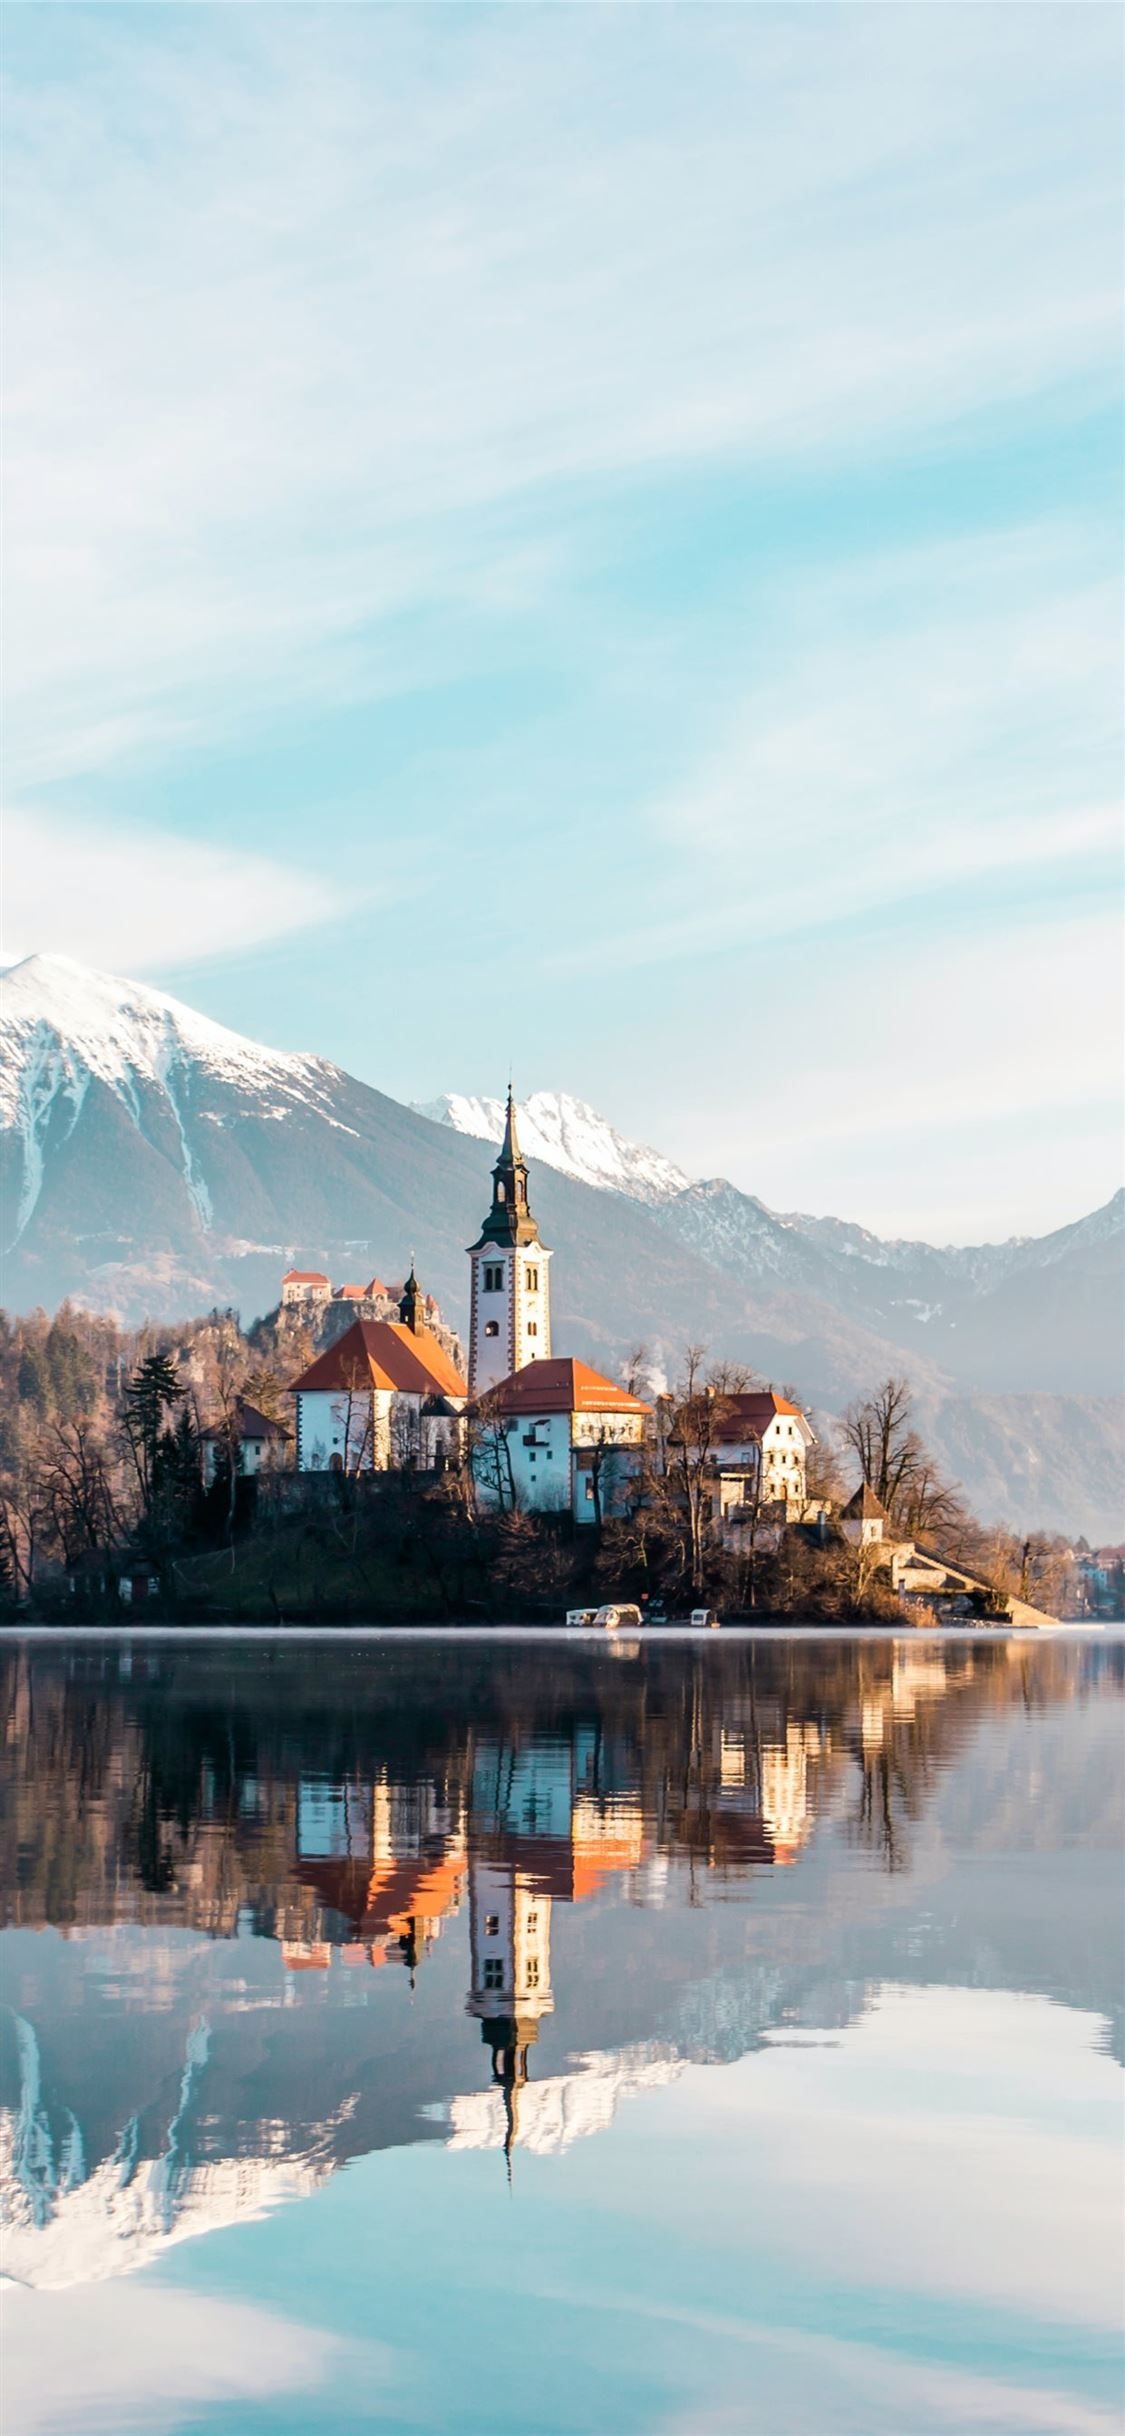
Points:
(510, 1947)
(511, 1306)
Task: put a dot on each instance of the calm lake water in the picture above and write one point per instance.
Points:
(517, 2039)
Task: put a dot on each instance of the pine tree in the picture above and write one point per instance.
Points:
(153, 1389)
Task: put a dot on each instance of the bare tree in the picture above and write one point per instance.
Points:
(488, 1454)
(893, 1461)
(700, 1403)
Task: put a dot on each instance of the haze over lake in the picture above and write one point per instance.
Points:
(513, 2035)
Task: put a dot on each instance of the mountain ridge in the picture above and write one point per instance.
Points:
(155, 1163)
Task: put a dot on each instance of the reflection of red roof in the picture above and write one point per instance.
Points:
(564, 1386)
(378, 1900)
(384, 1354)
(750, 1416)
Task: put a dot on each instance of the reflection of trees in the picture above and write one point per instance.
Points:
(165, 1784)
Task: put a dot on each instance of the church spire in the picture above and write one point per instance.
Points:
(410, 1307)
(510, 1220)
(510, 1318)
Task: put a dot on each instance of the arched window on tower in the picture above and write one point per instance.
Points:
(500, 1192)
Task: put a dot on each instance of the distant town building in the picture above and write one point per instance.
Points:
(305, 1286)
(510, 1307)
(557, 1437)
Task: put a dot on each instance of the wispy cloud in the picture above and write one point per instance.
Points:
(140, 901)
(330, 305)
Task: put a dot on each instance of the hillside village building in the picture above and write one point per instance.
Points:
(305, 1286)
(560, 1438)
(760, 1445)
(510, 1309)
(386, 1392)
(263, 1444)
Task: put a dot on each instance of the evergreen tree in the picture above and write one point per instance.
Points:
(33, 1376)
(71, 1372)
(152, 1391)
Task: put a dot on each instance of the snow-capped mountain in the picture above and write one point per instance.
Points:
(63, 1028)
(938, 1299)
(155, 1163)
(569, 1135)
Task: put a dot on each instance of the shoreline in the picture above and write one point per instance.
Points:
(658, 1634)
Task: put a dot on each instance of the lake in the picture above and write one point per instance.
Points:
(514, 2037)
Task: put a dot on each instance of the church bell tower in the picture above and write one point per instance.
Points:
(510, 1322)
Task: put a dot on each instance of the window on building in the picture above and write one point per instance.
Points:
(532, 1972)
(533, 1281)
(492, 1924)
(494, 1972)
(493, 1277)
(492, 1327)
(532, 1328)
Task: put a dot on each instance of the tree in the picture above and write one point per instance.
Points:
(690, 1435)
(266, 1392)
(152, 1391)
(488, 1455)
(79, 1491)
(893, 1461)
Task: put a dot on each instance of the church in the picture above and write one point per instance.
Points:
(553, 1435)
(546, 1433)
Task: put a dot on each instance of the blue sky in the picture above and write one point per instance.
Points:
(590, 539)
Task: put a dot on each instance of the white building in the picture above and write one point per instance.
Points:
(510, 1312)
(386, 1393)
(557, 1437)
(263, 1444)
(760, 1444)
(865, 1520)
(305, 1286)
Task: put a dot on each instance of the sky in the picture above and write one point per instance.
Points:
(589, 542)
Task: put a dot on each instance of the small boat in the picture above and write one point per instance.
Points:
(580, 1615)
(704, 1618)
(616, 1619)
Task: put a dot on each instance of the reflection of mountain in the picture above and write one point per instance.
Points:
(561, 1854)
(570, 2106)
(64, 2224)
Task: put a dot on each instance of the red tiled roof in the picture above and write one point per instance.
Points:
(349, 1294)
(865, 1506)
(382, 1353)
(251, 1424)
(750, 1416)
(374, 1289)
(564, 1386)
(305, 1277)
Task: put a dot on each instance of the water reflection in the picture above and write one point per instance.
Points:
(311, 1903)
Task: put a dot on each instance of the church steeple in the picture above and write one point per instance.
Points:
(410, 1306)
(510, 1220)
(511, 1309)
